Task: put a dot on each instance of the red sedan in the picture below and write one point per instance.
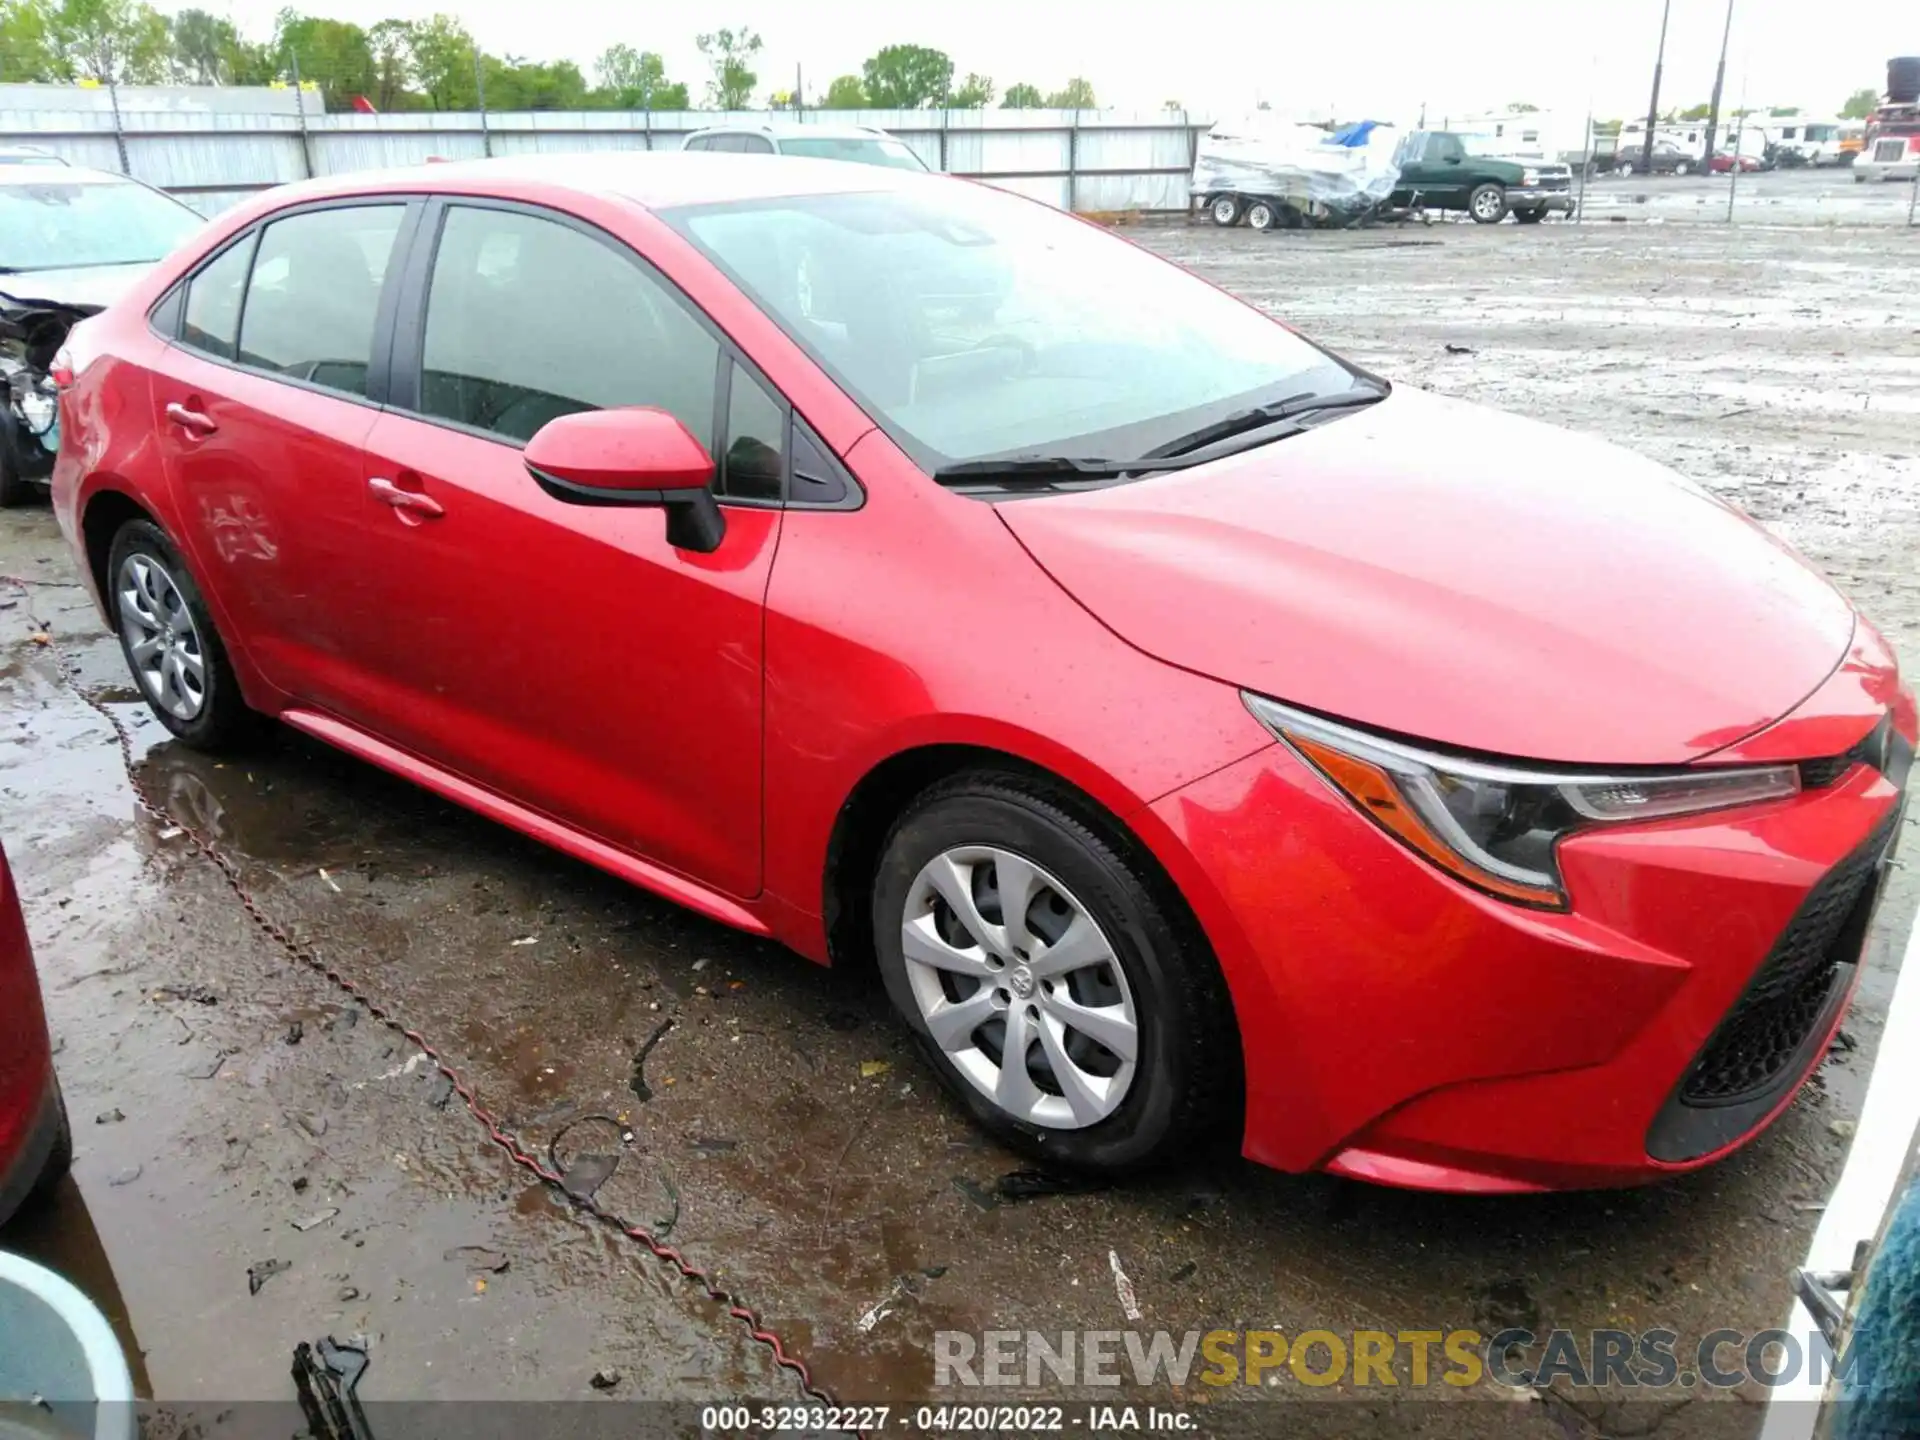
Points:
(1201, 733)
(1724, 164)
(36, 1144)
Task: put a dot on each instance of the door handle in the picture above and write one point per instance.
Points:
(422, 505)
(190, 419)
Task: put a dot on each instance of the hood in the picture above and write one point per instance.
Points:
(85, 287)
(1459, 576)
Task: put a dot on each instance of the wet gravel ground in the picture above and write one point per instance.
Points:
(779, 1127)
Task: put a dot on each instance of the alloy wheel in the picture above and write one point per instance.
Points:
(1019, 986)
(163, 643)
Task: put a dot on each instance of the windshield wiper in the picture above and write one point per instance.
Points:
(1040, 470)
(1273, 412)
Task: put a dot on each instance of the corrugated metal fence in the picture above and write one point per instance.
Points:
(1089, 160)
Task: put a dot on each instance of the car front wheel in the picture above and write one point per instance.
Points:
(168, 636)
(1053, 987)
(1488, 204)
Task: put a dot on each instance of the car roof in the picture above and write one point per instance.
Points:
(790, 130)
(656, 180)
(69, 175)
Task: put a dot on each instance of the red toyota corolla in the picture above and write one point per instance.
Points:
(36, 1144)
(1199, 732)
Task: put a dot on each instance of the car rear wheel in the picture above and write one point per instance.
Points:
(14, 490)
(168, 636)
(1683, 167)
(1260, 215)
(1053, 989)
(1488, 204)
(1624, 168)
(1225, 211)
(59, 1159)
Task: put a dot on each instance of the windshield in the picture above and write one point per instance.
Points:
(57, 223)
(893, 154)
(974, 324)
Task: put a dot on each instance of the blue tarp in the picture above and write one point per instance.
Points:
(1355, 135)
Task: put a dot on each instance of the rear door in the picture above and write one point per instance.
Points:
(567, 656)
(263, 403)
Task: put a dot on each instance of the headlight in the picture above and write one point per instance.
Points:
(1496, 826)
(1529, 178)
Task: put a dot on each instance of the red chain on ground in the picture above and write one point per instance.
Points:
(296, 950)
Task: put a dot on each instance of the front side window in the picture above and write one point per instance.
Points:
(59, 222)
(756, 435)
(213, 301)
(529, 319)
(314, 298)
(973, 324)
(877, 150)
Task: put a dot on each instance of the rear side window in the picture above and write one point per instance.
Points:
(213, 302)
(699, 142)
(756, 145)
(530, 319)
(315, 294)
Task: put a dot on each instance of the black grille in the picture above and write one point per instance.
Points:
(1883, 747)
(1769, 1023)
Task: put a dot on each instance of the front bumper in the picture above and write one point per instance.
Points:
(1521, 198)
(1402, 1028)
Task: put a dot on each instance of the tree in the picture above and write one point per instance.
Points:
(333, 54)
(1860, 105)
(906, 77)
(1782, 111)
(1521, 107)
(1174, 105)
(975, 93)
(206, 48)
(514, 83)
(1022, 97)
(443, 54)
(637, 80)
(1077, 95)
(26, 42)
(730, 53)
(390, 43)
(846, 92)
(119, 40)
(1696, 112)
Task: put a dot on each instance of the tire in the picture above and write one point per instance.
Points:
(1683, 168)
(14, 490)
(1225, 210)
(1260, 215)
(1488, 204)
(209, 715)
(54, 1169)
(1145, 956)
(1624, 169)
(1529, 217)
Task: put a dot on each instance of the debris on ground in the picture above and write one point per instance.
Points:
(1123, 1287)
(871, 1068)
(325, 1378)
(1183, 1271)
(479, 1258)
(1453, 349)
(314, 1125)
(638, 1083)
(314, 1222)
(605, 1379)
(296, 1032)
(262, 1271)
(124, 1177)
(109, 1117)
(190, 994)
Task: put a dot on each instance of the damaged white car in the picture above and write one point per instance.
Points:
(71, 240)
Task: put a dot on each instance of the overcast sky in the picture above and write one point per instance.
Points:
(1378, 57)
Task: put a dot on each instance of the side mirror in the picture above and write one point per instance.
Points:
(636, 456)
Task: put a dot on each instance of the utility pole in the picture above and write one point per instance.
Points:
(1719, 80)
(1653, 105)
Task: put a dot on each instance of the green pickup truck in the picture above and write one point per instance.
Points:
(1443, 171)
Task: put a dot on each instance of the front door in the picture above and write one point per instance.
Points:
(567, 656)
(263, 409)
